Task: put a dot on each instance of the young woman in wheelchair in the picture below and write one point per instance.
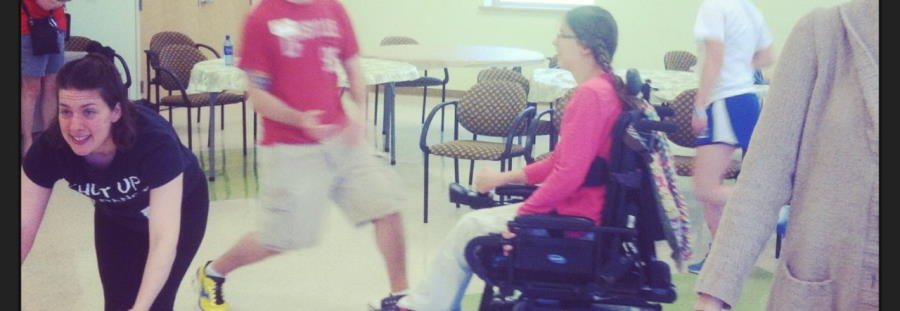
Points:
(585, 46)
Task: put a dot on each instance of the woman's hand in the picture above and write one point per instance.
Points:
(698, 119)
(507, 235)
(698, 125)
(487, 179)
(706, 302)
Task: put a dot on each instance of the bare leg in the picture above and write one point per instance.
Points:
(710, 166)
(389, 236)
(48, 110)
(31, 87)
(246, 251)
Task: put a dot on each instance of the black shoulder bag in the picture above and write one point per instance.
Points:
(44, 33)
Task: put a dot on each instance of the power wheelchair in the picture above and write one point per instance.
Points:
(568, 263)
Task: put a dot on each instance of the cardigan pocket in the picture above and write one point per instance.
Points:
(792, 293)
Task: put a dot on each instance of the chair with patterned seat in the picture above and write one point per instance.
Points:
(159, 41)
(492, 108)
(679, 60)
(77, 44)
(175, 64)
(505, 74)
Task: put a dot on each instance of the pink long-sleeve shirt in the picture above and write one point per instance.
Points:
(586, 133)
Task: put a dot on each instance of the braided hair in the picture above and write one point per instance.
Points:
(595, 29)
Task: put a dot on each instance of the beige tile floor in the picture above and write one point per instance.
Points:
(342, 272)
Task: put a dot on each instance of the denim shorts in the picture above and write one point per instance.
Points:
(40, 65)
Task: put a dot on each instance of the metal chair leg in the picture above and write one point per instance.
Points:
(456, 173)
(375, 116)
(443, 99)
(777, 245)
(424, 97)
(190, 139)
(471, 171)
(425, 203)
(243, 125)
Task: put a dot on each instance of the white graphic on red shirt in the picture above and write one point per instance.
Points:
(330, 61)
(291, 33)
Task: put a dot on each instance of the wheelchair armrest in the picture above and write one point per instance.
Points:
(553, 222)
(517, 190)
(664, 111)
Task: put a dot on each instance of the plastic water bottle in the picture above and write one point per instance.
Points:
(228, 54)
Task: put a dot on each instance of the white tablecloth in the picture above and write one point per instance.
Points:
(430, 57)
(213, 76)
(73, 55)
(549, 84)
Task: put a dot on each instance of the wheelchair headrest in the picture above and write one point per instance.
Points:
(633, 82)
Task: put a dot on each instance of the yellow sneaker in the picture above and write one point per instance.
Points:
(210, 291)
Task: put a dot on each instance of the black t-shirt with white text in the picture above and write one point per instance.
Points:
(123, 187)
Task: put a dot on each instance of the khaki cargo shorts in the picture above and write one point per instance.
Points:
(298, 182)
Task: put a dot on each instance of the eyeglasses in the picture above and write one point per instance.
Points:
(565, 36)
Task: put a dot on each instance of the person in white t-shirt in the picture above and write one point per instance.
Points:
(734, 41)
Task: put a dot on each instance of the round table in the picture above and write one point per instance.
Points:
(548, 84)
(437, 56)
(73, 55)
(214, 77)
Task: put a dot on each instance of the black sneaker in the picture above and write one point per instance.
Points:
(389, 303)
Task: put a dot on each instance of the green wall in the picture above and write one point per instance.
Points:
(118, 29)
(647, 28)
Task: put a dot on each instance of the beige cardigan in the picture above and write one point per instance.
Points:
(815, 148)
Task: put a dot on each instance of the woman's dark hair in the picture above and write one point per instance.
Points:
(96, 71)
(595, 28)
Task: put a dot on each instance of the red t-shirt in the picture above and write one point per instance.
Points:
(586, 133)
(299, 46)
(59, 15)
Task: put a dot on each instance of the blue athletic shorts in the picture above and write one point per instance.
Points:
(730, 121)
(40, 65)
